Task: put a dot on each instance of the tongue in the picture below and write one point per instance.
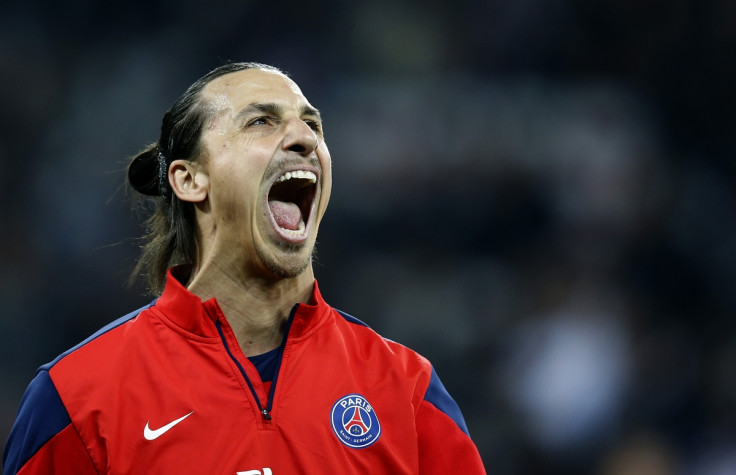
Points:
(287, 214)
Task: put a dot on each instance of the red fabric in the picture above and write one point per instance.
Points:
(170, 362)
(64, 454)
(443, 447)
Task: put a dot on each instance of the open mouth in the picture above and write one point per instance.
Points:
(290, 201)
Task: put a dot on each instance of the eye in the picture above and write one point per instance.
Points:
(314, 125)
(261, 120)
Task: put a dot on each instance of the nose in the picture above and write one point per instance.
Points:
(300, 138)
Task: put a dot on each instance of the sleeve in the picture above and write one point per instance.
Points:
(43, 439)
(444, 442)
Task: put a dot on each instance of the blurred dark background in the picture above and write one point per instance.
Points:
(537, 195)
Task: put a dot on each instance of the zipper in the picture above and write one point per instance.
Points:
(265, 412)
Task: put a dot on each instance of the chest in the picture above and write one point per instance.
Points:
(333, 410)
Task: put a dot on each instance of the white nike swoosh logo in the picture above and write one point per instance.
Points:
(151, 434)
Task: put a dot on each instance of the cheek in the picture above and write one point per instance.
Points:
(326, 164)
(234, 193)
(324, 200)
(235, 169)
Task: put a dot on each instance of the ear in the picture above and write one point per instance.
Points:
(189, 180)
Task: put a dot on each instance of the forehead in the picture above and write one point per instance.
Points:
(239, 89)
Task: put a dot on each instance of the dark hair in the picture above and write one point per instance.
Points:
(171, 231)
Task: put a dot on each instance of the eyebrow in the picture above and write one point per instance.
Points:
(272, 108)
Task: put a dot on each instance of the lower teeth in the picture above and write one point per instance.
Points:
(295, 232)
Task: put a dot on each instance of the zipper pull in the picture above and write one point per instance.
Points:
(266, 415)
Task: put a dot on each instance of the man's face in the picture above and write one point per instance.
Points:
(269, 173)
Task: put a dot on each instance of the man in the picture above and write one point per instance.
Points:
(240, 367)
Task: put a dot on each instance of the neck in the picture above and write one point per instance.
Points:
(257, 309)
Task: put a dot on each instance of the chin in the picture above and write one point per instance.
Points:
(290, 263)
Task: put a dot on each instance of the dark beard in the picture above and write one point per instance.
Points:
(279, 270)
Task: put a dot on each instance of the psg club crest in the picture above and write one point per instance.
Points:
(355, 422)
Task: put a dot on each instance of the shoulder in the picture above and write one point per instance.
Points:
(53, 397)
(95, 350)
(414, 368)
(364, 333)
(379, 351)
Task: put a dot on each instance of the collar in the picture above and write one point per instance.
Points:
(189, 313)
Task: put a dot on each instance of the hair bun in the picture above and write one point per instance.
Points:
(143, 172)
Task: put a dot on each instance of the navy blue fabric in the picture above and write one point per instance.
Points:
(438, 396)
(276, 363)
(240, 367)
(41, 416)
(351, 318)
(267, 363)
(279, 356)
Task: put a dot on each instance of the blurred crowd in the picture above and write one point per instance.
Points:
(537, 195)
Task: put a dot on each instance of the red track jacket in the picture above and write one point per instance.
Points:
(166, 389)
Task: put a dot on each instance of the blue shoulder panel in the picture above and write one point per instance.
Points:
(438, 396)
(97, 334)
(351, 318)
(41, 416)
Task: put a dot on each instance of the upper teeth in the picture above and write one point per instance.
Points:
(303, 174)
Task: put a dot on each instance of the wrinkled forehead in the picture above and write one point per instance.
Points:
(236, 90)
